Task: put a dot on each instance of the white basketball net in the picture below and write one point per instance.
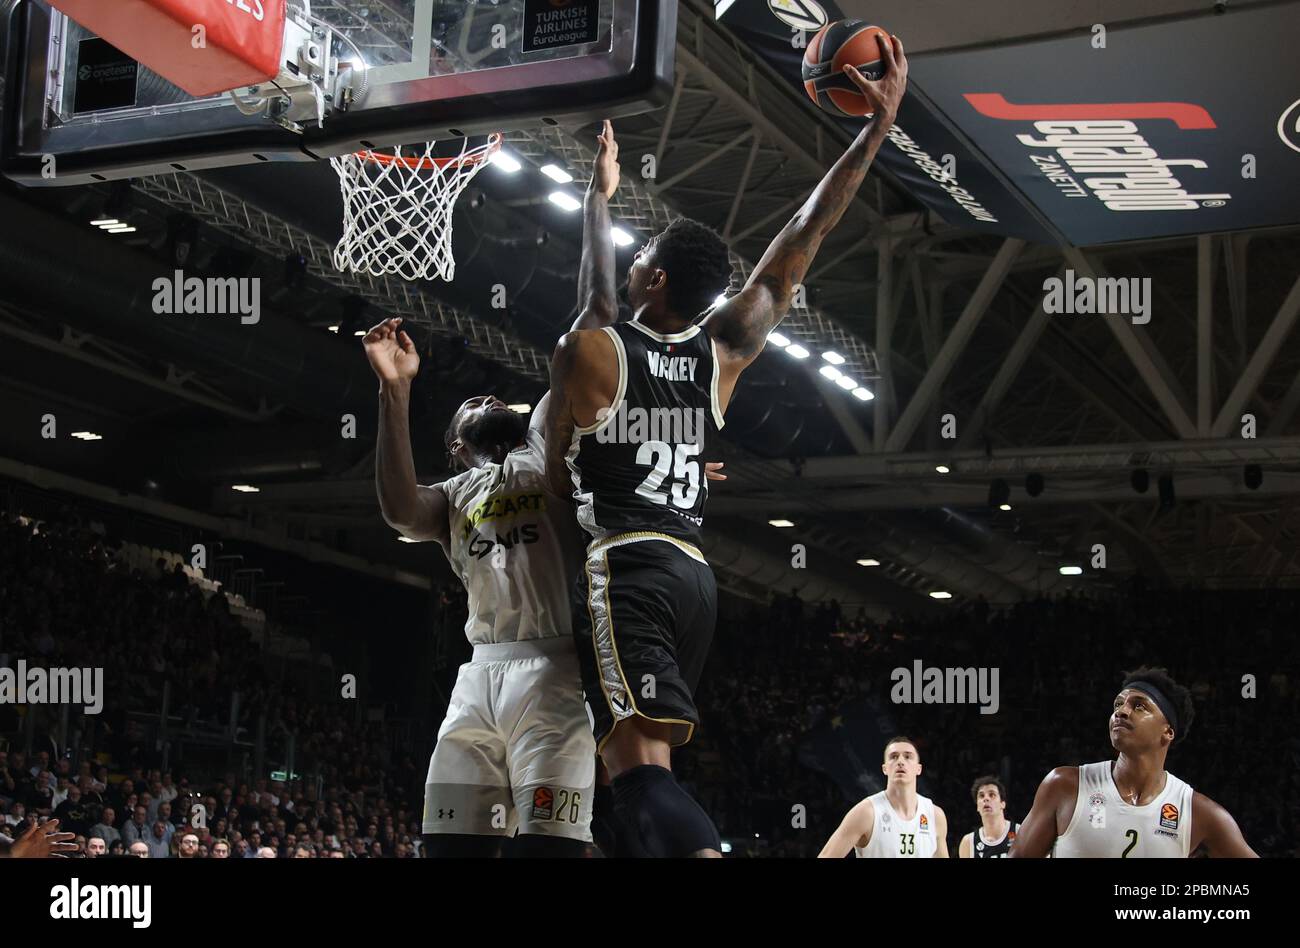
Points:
(397, 209)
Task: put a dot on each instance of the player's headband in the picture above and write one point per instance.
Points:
(1155, 694)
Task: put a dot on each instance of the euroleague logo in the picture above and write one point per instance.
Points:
(543, 803)
(1288, 126)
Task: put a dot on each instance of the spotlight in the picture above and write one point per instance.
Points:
(1166, 487)
(1034, 485)
(1140, 480)
(999, 493)
(564, 200)
(505, 162)
(1254, 476)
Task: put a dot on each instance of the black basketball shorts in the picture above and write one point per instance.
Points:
(643, 615)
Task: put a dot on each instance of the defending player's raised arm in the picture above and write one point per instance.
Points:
(1218, 830)
(940, 833)
(597, 281)
(415, 511)
(1038, 832)
(741, 323)
(854, 830)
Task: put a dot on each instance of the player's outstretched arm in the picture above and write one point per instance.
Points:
(597, 281)
(1218, 830)
(941, 833)
(854, 830)
(415, 511)
(741, 323)
(1038, 831)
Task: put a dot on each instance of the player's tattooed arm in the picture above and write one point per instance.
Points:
(597, 282)
(940, 833)
(1044, 823)
(415, 511)
(854, 830)
(1218, 830)
(741, 323)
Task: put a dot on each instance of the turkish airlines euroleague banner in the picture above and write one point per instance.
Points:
(1177, 127)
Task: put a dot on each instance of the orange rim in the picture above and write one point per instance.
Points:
(426, 164)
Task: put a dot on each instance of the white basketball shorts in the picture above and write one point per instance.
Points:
(516, 748)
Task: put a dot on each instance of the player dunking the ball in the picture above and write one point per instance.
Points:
(1131, 807)
(897, 822)
(516, 740)
(633, 407)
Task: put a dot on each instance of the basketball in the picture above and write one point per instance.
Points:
(839, 44)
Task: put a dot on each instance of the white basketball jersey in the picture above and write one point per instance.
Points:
(1104, 826)
(515, 546)
(893, 837)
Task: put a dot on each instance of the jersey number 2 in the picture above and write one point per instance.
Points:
(686, 473)
(1132, 841)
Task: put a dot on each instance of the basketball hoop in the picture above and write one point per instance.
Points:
(397, 208)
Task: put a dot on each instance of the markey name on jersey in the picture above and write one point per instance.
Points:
(672, 368)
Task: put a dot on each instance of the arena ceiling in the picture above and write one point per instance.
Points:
(937, 320)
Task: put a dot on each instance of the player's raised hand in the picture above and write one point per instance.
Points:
(605, 176)
(884, 93)
(391, 352)
(43, 841)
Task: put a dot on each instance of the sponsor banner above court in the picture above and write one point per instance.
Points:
(1173, 127)
(932, 163)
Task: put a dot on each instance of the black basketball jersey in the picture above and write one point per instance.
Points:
(640, 467)
(982, 850)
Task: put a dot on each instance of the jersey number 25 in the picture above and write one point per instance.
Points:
(684, 487)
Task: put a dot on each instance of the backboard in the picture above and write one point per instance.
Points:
(432, 69)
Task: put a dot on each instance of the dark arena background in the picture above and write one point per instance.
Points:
(1031, 423)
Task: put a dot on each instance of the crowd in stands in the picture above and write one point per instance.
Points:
(777, 674)
(67, 600)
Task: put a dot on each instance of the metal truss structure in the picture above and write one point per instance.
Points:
(972, 372)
